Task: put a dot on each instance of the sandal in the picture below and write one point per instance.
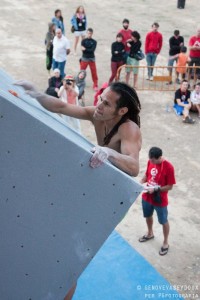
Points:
(145, 238)
(163, 251)
(188, 120)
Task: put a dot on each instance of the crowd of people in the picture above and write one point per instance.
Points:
(126, 49)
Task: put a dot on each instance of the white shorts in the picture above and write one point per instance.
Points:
(80, 33)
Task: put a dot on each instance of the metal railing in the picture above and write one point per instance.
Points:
(161, 81)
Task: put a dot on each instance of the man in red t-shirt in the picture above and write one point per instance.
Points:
(158, 180)
(126, 35)
(194, 46)
(153, 45)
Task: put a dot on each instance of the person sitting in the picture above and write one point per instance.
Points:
(195, 99)
(182, 102)
(80, 82)
(55, 82)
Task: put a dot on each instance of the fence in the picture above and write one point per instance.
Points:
(161, 81)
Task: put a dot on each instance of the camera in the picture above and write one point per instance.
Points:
(69, 82)
(157, 197)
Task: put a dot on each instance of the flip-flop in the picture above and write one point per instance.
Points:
(164, 251)
(145, 238)
(188, 120)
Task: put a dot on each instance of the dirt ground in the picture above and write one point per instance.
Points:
(23, 28)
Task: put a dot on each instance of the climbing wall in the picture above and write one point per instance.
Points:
(55, 211)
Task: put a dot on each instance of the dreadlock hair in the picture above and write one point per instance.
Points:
(128, 98)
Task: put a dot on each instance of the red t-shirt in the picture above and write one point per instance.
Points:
(194, 41)
(126, 36)
(160, 174)
(153, 42)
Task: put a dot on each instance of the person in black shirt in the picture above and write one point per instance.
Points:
(117, 50)
(134, 44)
(175, 44)
(182, 102)
(88, 46)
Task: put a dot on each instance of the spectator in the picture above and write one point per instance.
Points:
(80, 83)
(88, 46)
(126, 35)
(195, 99)
(181, 66)
(194, 46)
(158, 180)
(182, 102)
(117, 50)
(58, 20)
(134, 44)
(153, 45)
(175, 44)
(49, 45)
(61, 48)
(79, 23)
(69, 93)
(55, 82)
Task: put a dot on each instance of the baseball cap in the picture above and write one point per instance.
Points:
(69, 77)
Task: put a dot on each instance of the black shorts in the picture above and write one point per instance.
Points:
(195, 61)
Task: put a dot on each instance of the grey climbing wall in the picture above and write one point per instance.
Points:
(55, 211)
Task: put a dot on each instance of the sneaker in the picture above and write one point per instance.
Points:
(188, 120)
(151, 78)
